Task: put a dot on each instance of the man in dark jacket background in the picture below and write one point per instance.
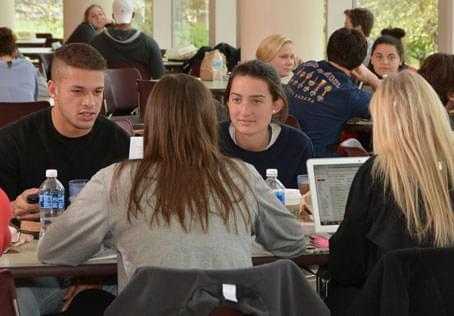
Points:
(121, 44)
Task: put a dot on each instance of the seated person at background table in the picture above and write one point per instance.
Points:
(121, 44)
(132, 206)
(257, 107)
(438, 70)
(5, 217)
(322, 95)
(93, 23)
(388, 53)
(362, 20)
(396, 201)
(69, 137)
(278, 51)
(18, 77)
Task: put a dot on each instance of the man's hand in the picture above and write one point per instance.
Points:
(363, 74)
(24, 210)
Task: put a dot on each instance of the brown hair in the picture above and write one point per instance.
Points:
(438, 70)
(7, 41)
(78, 55)
(260, 70)
(361, 17)
(87, 11)
(182, 158)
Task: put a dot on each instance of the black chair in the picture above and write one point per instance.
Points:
(142, 68)
(413, 281)
(279, 289)
(8, 304)
(144, 88)
(46, 64)
(120, 91)
(12, 111)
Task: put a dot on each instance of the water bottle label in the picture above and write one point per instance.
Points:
(52, 200)
(280, 195)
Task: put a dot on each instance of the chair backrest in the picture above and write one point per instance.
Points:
(142, 68)
(125, 124)
(8, 304)
(12, 111)
(293, 121)
(120, 91)
(46, 63)
(413, 281)
(278, 288)
(144, 88)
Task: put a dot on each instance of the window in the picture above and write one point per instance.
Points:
(190, 24)
(419, 19)
(39, 16)
(143, 16)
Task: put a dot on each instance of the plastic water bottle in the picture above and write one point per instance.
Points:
(218, 68)
(51, 199)
(275, 185)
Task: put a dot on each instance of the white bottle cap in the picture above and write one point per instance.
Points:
(271, 172)
(51, 173)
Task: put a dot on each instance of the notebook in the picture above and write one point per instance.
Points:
(329, 182)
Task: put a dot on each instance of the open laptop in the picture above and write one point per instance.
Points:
(329, 181)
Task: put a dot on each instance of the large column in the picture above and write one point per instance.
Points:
(73, 12)
(223, 22)
(446, 26)
(303, 21)
(8, 13)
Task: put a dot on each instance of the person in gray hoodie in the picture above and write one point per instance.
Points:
(121, 44)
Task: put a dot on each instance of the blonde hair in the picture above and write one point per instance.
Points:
(270, 46)
(415, 155)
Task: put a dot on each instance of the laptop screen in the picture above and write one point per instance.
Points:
(330, 180)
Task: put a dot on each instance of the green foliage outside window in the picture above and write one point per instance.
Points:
(35, 16)
(191, 23)
(419, 19)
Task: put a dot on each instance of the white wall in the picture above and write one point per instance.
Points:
(8, 14)
(446, 26)
(336, 15)
(301, 20)
(223, 22)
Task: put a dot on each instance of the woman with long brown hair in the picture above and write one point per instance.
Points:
(184, 205)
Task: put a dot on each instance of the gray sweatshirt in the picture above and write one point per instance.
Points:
(94, 220)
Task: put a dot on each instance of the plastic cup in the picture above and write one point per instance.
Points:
(75, 186)
(303, 183)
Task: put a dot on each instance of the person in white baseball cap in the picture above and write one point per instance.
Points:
(122, 45)
(122, 11)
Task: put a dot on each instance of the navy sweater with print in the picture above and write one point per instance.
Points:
(288, 154)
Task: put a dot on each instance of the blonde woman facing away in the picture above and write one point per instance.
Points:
(278, 50)
(401, 197)
(184, 205)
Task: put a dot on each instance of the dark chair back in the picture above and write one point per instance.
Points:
(120, 91)
(142, 68)
(124, 123)
(414, 281)
(8, 304)
(46, 64)
(278, 288)
(47, 36)
(12, 111)
(144, 88)
(293, 121)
